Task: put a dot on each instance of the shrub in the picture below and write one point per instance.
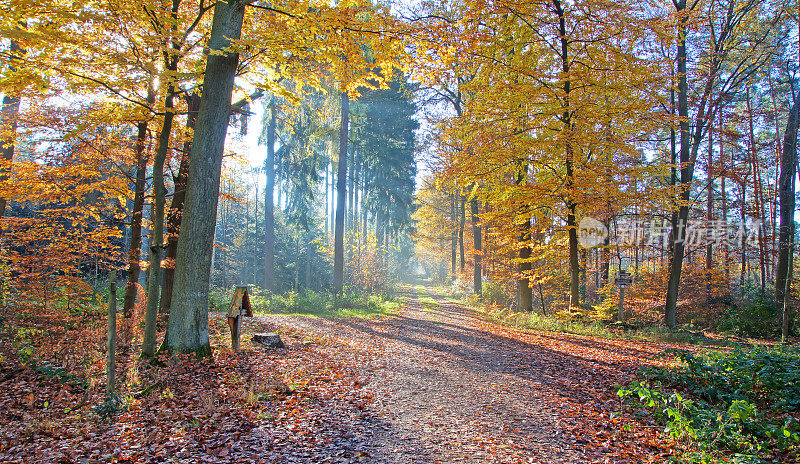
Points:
(111, 405)
(739, 401)
(494, 293)
(755, 316)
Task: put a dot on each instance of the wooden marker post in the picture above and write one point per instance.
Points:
(623, 280)
(240, 307)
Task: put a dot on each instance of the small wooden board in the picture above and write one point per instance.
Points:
(240, 304)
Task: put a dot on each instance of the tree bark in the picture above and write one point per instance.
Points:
(462, 219)
(341, 197)
(453, 236)
(710, 210)
(176, 209)
(111, 340)
(269, 206)
(786, 195)
(157, 219)
(135, 246)
(477, 273)
(569, 162)
(757, 195)
(9, 118)
(188, 322)
(524, 290)
(679, 223)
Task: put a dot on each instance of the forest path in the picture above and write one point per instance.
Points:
(450, 387)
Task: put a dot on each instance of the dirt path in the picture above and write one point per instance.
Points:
(451, 388)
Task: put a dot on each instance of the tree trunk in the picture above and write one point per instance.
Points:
(524, 291)
(269, 206)
(176, 209)
(341, 198)
(309, 254)
(710, 209)
(462, 221)
(743, 219)
(327, 200)
(157, 218)
(477, 274)
(135, 246)
(678, 241)
(786, 195)
(111, 340)
(724, 194)
(188, 322)
(453, 236)
(757, 195)
(9, 118)
(351, 192)
(566, 123)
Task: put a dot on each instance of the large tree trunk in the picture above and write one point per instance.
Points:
(679, 223)
(786, 195)
(477, 275)
(569, 162)
(341, 198)
(176, 209)
(9, 118)
(269, 206)
(157, 218)
(188, 322)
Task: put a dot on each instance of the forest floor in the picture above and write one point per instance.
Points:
(434, 383)
(450, 387)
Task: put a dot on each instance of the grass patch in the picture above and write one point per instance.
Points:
(322, 304)
(579, 324)
(426, 300)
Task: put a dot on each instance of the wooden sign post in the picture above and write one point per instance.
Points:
(623, 280)
(240, 307)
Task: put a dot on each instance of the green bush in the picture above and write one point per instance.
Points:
(111, 405)
(754, 314)
(739, 401)
(494, 293)
(752, 319)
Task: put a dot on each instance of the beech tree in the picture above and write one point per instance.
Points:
(737, 49)
(188, 322)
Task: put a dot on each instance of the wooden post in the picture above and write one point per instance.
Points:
(235, 323)
(240, 307)
(111, 347)
(623, 280)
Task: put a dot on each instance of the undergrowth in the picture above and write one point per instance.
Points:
(310, 303)
(580, 323)
(740, 406)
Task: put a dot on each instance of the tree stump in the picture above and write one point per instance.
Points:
(270, 340)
